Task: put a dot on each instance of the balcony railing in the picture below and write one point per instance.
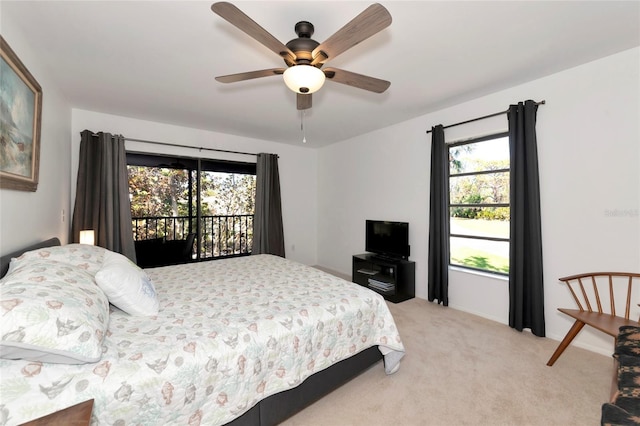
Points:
(221, 236)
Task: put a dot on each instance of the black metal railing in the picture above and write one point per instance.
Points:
(221, 235)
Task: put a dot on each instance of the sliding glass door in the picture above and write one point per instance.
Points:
(172, 197)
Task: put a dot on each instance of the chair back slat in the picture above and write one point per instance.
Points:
(592, 297)
(627, 311)
(611, 296)
(597, 294)
(575, 296)
(585, 298)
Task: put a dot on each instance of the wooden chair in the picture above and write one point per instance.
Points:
(592, 291)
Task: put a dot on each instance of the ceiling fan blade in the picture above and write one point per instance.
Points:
(238, 18)
(372, 20)
(303, 101)
(356, 80)
(232, 78)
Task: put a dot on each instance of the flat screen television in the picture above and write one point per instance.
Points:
(387, 239)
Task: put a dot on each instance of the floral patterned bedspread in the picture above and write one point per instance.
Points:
(229, 333)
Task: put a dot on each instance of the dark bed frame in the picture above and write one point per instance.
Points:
(275, 408)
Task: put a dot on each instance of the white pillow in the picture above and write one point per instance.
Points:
(127, 286)
(52, 312)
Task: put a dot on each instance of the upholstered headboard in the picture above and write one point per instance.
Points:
(6, 259)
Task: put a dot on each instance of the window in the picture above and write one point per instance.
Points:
(172, 197)
(479, 204)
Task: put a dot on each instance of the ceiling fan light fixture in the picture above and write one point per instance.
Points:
(304, 79)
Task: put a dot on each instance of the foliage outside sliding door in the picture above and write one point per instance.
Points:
(227, 208)
(161, 196)
(173, 197)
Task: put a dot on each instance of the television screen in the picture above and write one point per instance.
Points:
(387, 238)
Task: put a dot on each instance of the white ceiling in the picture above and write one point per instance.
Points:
(156, 60)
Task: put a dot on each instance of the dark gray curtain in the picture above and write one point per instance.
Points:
(268, 234)
(438, 279)
(102, 193)
(526, 294)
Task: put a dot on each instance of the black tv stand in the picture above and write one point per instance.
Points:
(393, 278)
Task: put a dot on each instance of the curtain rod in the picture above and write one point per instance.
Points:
(189, 146)
(483, 117)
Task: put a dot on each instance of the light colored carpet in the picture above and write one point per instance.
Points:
(461, 369)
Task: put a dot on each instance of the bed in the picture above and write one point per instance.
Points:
(241, 341)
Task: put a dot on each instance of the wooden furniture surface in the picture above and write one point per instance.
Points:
(604, 303)
(76, 415)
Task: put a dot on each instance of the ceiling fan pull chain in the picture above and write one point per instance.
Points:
(304, 132)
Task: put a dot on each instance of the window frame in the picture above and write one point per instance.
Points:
(191, 163)
(475, 140)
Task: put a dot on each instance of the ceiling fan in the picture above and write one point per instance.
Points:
(305, 57)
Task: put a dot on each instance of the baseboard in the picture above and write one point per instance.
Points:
(479, 314)
(576, 343)
(332, 272)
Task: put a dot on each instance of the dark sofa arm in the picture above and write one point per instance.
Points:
(624, 407)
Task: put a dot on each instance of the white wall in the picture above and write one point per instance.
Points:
(589, 158)
(381, 176)
(30, 217)
(297, 165)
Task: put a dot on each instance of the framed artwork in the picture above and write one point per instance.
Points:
(20, 122)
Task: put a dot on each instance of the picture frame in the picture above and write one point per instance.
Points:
(20, 123)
